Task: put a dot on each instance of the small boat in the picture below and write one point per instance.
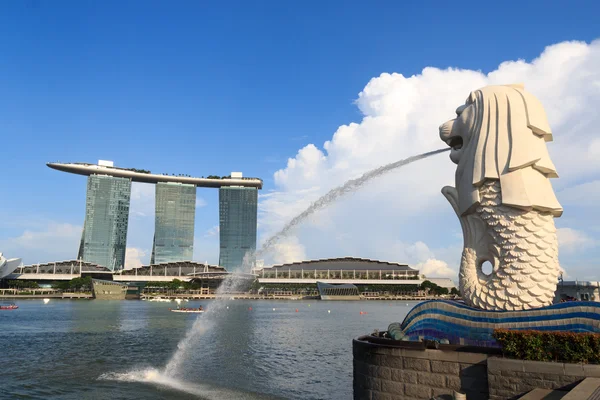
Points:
(9, 307)
(198, 310)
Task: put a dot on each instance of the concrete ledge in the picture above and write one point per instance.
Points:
(383, 369)
(574, 369)
(537, 367)
(584, 390)
(496, 364)
(544, 394)
(592, 371)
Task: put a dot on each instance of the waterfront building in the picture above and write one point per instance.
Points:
(237, 226)
(341, 268)
(346, 270)
(104, 236)
(577, 291)
(59, 270)
(174, 222)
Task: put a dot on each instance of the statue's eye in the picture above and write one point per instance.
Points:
(460, 109)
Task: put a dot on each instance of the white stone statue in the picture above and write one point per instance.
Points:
(504, 199)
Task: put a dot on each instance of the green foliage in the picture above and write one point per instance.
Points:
(19, 284)
(143, 171)
(61, 285)
(81, 283)
(392, 289)
(433, 288)
(75, 284)
(454, 291)
(570, 347)
(175, 284)
(284, 286)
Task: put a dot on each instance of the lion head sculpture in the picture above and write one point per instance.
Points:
(500, 133)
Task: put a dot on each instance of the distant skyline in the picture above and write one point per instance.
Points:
(304, 96)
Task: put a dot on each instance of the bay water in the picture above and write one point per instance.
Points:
(74, 349)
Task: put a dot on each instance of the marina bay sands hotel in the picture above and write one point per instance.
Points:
(104, 236)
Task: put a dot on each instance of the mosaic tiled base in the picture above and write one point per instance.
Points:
(460, 324)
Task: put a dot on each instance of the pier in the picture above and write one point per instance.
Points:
(42, 294)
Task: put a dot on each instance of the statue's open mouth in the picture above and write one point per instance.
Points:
(456, 142)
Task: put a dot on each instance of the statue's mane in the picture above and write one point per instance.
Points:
(508, 143)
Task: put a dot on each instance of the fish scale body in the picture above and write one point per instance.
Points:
(523, 248)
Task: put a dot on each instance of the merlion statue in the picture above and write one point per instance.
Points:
(504, 199)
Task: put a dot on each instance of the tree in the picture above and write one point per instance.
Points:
(75, 284)
(62, 285)
(454, 291)
(432, 288)
(22, 284)
(175, 284)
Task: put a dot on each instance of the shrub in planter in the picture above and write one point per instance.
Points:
(570, 347)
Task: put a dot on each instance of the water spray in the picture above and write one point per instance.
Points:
(328, 198)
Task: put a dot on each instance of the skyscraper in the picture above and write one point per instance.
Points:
(174, 222)
(104, 237)
(237, 223)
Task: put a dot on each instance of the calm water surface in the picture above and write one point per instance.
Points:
(118, 350)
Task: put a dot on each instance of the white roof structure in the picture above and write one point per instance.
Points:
(137, 175)
(7, 266)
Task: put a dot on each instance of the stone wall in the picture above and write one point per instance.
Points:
(510, 379)
(386, 372)
(386, 369)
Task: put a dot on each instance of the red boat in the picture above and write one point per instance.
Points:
(9, 307)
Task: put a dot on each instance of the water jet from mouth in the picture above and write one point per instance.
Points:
(350, 186)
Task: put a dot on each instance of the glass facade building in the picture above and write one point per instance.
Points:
(174, 222)
(237, 223)
(104, 236)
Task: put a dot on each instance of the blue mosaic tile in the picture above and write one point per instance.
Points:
(424, 321)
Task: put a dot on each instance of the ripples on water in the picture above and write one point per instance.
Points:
(118, 350)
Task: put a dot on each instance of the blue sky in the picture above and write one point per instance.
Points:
(213, 87)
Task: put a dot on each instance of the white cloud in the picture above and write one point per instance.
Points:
(55, 241)
(435, 268)
(585, 194)
(200, 202)
(571, 240)
(401, 116)
(214, 231)
(288, 250)
(135, 257)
